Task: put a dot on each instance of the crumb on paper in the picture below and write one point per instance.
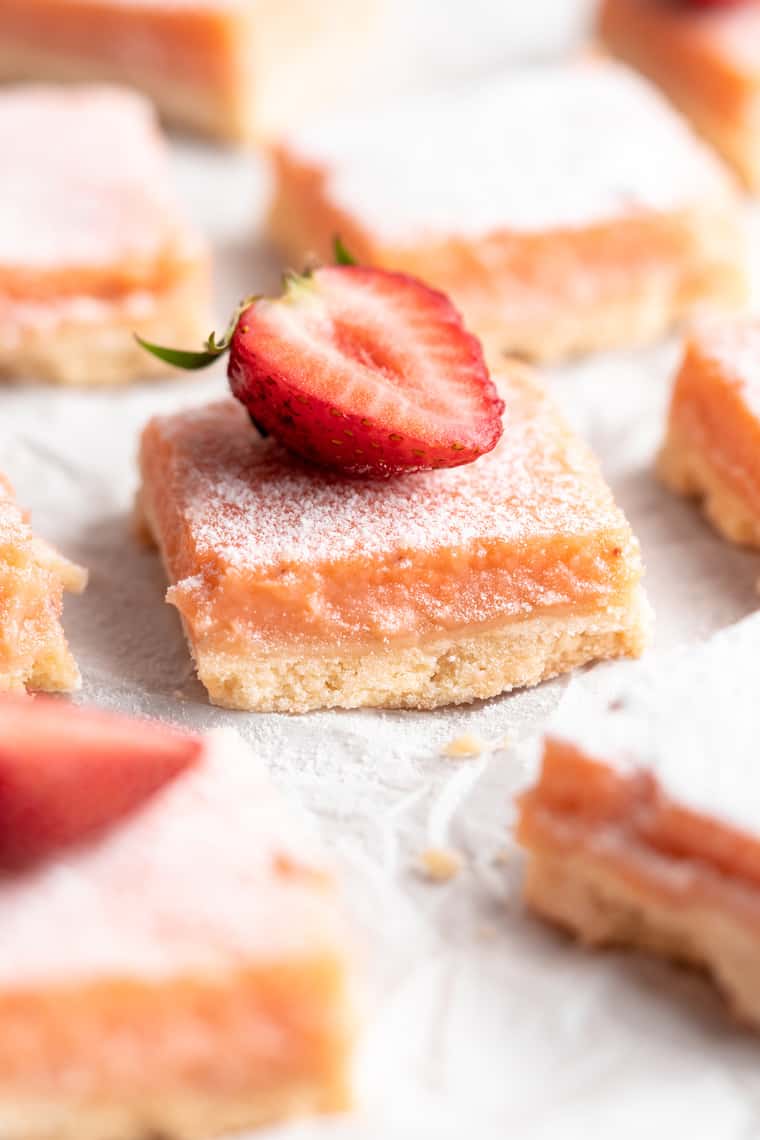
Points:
(440, 864)
(463, 746)
(487, 932)
(503, 855)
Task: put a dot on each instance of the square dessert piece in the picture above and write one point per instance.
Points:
(708, 62)
(233, 69)
(93, 246)
(643, 826)
(183, 971)
(563, 208)
(712, 446)
(33, 577)
(301, 589)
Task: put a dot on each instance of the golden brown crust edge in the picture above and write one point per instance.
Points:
(600, 908)
(47, 665)
(455, 668)
(683, 468)
(172, 1116)
(100, 349)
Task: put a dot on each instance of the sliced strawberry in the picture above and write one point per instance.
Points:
(367, 372)
(67, 774)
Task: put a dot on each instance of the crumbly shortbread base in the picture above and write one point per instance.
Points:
(683, 468)
(173, 1116)
(52, 668)
(95, 344)
(55, 670)
(452, 668)
(601, 908)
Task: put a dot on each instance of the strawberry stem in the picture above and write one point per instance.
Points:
(213, 348)
(180, 358)
(192, 361)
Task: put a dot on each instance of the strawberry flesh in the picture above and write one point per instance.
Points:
(68, 774)
(367, 372)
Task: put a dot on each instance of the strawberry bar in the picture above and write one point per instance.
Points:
(712, 447)
(706, 61)
(642, 828)
(93, 246)
(228, 68)
(300, 589)
(564, 208)
(33, 577)
(174, 957)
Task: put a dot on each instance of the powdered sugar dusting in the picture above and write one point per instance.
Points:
(260, 888)
(689, 715)
(85, 179)
(249, 504)
(564, 146)
(14, 529)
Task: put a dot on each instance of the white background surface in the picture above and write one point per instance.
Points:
(483, 1023)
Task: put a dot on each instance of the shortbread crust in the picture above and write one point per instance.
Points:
(604, 909)
(299, 589)
(595, 237)
(33, 576)
(684, 469)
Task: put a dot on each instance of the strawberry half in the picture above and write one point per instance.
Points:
(367, 372)
(360, 370)
(67, 774)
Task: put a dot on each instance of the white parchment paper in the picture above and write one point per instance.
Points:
(481, 1022)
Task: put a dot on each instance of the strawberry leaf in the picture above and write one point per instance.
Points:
(212, 349)
(341, 254)
(191, 361)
